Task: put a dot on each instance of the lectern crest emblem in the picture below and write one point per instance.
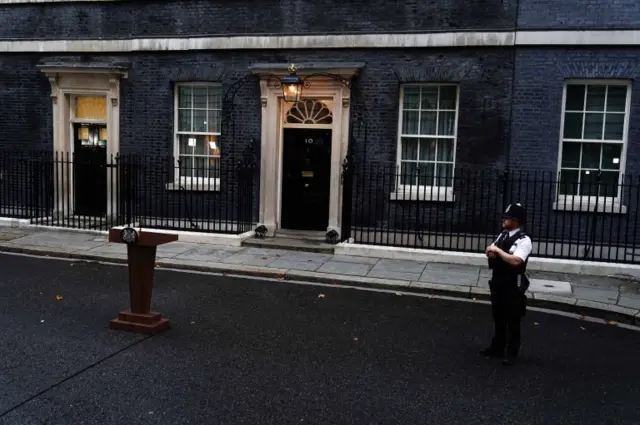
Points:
(129, 235)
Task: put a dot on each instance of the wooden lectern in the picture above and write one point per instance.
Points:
(141, 257)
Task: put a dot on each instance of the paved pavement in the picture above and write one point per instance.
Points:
(255, 352)
(609, 298)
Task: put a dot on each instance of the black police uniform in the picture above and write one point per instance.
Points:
(508, 285)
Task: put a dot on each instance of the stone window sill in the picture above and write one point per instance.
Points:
(196, 185)
(426, 194)
(589, 204)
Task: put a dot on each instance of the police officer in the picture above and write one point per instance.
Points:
(508, 257)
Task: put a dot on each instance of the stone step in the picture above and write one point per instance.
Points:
(291, 244)
(301, 234)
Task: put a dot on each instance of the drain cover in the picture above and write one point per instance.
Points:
(555, 287)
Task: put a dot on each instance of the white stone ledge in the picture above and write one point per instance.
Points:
(587, 204)
(333, 41)
(578, 37)
(14, 222)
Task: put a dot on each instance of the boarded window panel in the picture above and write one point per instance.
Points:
(91, 107)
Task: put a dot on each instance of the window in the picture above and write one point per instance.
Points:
(427, 137)
(197, 139)
(309, 111)
(594, 133)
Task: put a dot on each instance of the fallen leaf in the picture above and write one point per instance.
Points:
(583, 328)
(355, 339)
(473, 299)
(612, 323)
(42, 321)
(398, 294)
(59, 297)
(536, 324)
(322, 296)
(193, 323)
(41, 293)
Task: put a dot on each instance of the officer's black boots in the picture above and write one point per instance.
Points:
(492, 352)
(509, 360)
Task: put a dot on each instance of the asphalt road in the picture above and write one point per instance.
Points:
(256, 352)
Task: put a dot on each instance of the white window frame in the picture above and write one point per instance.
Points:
(424, 192)
(593, 203)
(187, 182)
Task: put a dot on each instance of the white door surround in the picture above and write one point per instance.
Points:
(271, 136)
(68, 81)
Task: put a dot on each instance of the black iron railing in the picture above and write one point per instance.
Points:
(457, 210)
(461, 210)
(89, 191)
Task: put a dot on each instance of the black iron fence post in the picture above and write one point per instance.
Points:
(505, 189)
(590, 247)
(347, 196)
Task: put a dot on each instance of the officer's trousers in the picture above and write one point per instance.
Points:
(508, 304)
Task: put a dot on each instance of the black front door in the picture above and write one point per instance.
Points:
(89, 169)
(305, 178)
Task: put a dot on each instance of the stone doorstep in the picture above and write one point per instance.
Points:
(548, 301)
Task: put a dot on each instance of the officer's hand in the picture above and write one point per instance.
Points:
(492, 255)
(492, 249)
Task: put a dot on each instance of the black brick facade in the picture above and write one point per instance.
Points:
(510, 97)
(145, 18)
(591, 14)
(147, 94)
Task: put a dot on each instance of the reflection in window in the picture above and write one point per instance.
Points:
(593, 138)
(199, 114)
(427, 142)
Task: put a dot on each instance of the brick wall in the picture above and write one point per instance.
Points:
(485, 102)
(147, 99)
(537, 108)
(147, 95)
(26, 104)
(564, 14)
(537, 101)
(145, 18)
(153, 18)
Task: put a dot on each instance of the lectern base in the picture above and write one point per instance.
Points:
(151, 323)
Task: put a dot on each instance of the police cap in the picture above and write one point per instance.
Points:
(516, 212)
